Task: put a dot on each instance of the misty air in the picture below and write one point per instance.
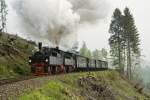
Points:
(74, 50)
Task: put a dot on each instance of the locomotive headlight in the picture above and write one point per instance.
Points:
(30, 61)
(46, 60)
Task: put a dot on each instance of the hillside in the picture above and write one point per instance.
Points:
(14, 52)
(102, 85)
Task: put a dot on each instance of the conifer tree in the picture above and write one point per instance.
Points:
(89, 54)
(116, 38)
(97, 54)
(104, 54)
(131, 38)
(124, 40)
(84, 50)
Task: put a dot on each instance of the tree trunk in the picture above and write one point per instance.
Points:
(124, 59)
(119, 55)
(129, 61)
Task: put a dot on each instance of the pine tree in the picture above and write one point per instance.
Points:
(89, 54)
(116, 38)
(104, 54)
(131, 38)
(124, 41)
(84, 50)
(96, 54)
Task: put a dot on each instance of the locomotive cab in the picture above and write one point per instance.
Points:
(56, 60)
(69, 62)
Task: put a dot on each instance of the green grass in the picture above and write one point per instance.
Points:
(54, 90)
(66, 87)
(5, 72)
(63, 87)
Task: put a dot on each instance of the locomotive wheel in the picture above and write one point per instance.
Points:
(67, 69)
(45, 69)
(49, 70)
(33, 69)
(53, 70)
(59, 69)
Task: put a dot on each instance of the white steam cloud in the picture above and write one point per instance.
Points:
(90, 10)
(57, 20)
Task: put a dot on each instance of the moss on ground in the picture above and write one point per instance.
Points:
(67, 87)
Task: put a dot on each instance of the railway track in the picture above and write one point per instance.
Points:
(22, 78)
(12, 80)
(13, 87)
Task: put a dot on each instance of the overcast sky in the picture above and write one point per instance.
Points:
(96, 36)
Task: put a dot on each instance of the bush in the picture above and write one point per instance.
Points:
(17, 69)
(5, 71)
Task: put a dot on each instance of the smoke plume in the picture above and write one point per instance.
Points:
(90, 10)
(57, 20)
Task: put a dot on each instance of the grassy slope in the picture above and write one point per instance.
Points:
(66, 87)
(13, 56)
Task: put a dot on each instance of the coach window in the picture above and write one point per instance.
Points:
(68, 57)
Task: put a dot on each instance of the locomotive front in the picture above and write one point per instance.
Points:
(39, 62)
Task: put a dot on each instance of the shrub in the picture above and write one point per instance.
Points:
(17, 69)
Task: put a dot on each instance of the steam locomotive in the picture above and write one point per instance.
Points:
(48, 61)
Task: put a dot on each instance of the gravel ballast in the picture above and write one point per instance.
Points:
(13, 90)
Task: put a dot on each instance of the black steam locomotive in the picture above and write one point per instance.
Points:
(53, 61)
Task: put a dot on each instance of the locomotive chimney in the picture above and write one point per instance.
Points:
(40, 46)
(57, 47)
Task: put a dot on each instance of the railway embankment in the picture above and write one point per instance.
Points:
(13, 90)
(14, 53)
(101, 85)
